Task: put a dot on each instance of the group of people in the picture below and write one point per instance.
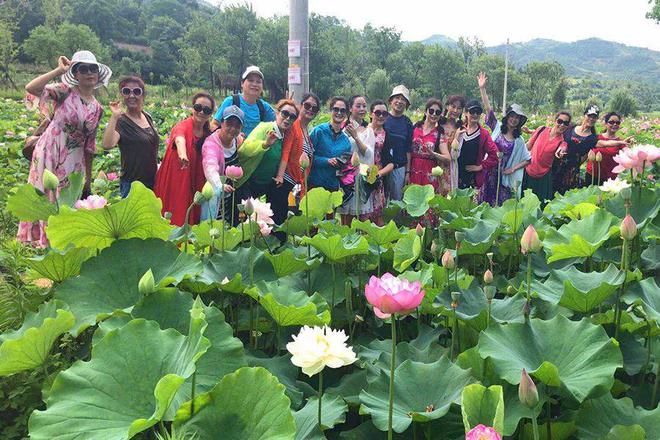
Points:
(276, 153)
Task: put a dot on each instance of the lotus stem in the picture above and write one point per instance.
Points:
(233, 207)
(357, 194)
(499, 176)
(598, 173)
(334, 285)
(548, 426)
(222, 202)
(529, 283)
(251, 273)
(309, 246)
(490, 303)
(617, 305)
(535, 428)
(655, 386)
(392, 366)
(186, 226)
(320, 398)
(592, 173)
(192, 393)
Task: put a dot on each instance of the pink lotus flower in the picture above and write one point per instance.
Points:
(234, 172)
(261, 214)
(112, 176)
(389, 294)
(264, 228)
(481, 432)
(636, 158)
(91, 202)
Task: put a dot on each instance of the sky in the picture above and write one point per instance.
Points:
(622, 21)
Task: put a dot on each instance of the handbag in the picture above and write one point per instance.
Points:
(31, 141)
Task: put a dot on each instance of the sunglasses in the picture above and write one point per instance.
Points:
(339, 110)
(87, 68)
(475, 111)
(288, 115)
(311, 107)
(614, 122)
(199, 108)
(432, 112)
(381, 113)
(126, 91)
(563, 122)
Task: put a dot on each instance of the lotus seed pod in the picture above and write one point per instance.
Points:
(304, 161)
(437, 171)
(459, 236)
(50, 180)
(355, 160)
(100, 184)
(626, 193)
(510, 290)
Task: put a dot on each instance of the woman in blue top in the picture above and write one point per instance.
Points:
(332, 148)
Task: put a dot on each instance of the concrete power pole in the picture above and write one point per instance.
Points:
(506, 74)
(298, 73)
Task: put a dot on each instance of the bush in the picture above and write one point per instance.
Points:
(623, 102)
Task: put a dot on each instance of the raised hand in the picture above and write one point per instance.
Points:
(63, 63)
(115, 108)
(270, 140)
(482, 79)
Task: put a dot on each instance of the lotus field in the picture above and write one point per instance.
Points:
(453, 320)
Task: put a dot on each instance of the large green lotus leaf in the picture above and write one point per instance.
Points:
(515, 411)
(333, 412)
(563, 203)
(379, 235)
(649, 260)
(126, 387)
(233, 236)
(249, 404)
(512, 217)
(560, 431)
(580, 291)
(288, 307)
(473, 307)
(58, 266)
(581, 210)
(580, 238)
(321, 202)
(449, 427)
(109, 282)
(285, 372)
(29, 346)
(288, 262)
(29, 204)
(407, 251)
(414, 399)
(296, 225)
(136, 216)
(598, 416)
(480, 238)
(481, 405)
(337, 248)
(416, 199)
(644, 209)
(632, 432)
(578, 356)
(349, 387)
(71, 193)
(647, 294)
(460, 202)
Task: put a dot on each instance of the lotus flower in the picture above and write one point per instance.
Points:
(636, 158)
(437, 171)
(260, 213)
(315, 348)
(481, 432)
(91, 202)
(614, 185)
(234, 172)
(389, 294)
(628, 228)
(113, 176)
(527, 392)
(530, 241)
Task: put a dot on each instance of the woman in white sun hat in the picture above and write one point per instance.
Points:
(68, 144)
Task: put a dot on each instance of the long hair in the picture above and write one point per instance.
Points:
(207, 124)
(429, 103)
(351, 101)
(505, 127)
(452, 99)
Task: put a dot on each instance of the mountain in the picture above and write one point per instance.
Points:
(593, 57)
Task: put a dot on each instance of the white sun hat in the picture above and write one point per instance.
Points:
(86, 57)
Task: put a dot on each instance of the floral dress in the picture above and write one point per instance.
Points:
(378, 194)
(488, 193)
(62, 148)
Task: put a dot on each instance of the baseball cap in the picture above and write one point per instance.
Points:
(252, 69)
(233, 111)
(473, 104)
(592, 109)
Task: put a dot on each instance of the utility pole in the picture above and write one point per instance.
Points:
(298, 74)
(506, 74)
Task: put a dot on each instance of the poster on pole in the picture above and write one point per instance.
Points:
(295, 75)
(294, 48)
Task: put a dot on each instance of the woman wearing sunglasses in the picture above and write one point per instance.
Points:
(261, 155)
(429, 149)
(545, 146)
(330, 144)
(382, 159)
(609, 145)
(181, 174)
(514, 153)
(136, 135)
(68, 141)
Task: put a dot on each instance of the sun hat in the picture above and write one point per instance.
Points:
(233, 112)
(250, 70)
(401, 90)
(86, 57)
(592, 109)
(517, 109)
(472, 104)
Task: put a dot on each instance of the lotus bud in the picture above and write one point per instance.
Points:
(199, 198)
(459, 236)
(214, 233)
(437, 171)
(304, 161)
(249, 207)
(455, 296)
(419, 230)
(101, 175)
(359, 318)
(355, 160)
(527, 392)
(100, 184)
(147, 283)
(650, 177)
(599, 157)
(207, 191)
(488, 277)
(448, 260)
(628, 228)
(626, 193)
(510, 290)
(434, 249)
(591, 156)
(50, 180)
(490, 291)
(530, 241)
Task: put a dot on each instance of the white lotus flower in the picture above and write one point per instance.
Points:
(614, 185)
(314, 348)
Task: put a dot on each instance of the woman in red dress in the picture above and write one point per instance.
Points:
(181, 174)
(429, 149)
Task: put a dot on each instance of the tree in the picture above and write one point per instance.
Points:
(444, 73)
(559, 94)
(203, 51)
(380, 43)
(470, 48)
(541, 79)
(379, 85)
(271, 37)
(8, 52)
(43, 46)
(623, 102)
(164, 29)
(238, 23)
(654, 13)
(75, 37)
(408, 64)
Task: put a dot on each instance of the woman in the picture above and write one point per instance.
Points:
(181, 174)
(451, 117)
(609, 145)
(362, 140)
(332, 147)
(261, 155)
(382, 159)
(514, 155)
(69, 142)
(429, 149)
(219, 151)
(545, 146)
(136, 135)
(297, 142)
(473, 150)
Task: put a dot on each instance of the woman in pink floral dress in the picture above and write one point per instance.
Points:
(68, 144)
